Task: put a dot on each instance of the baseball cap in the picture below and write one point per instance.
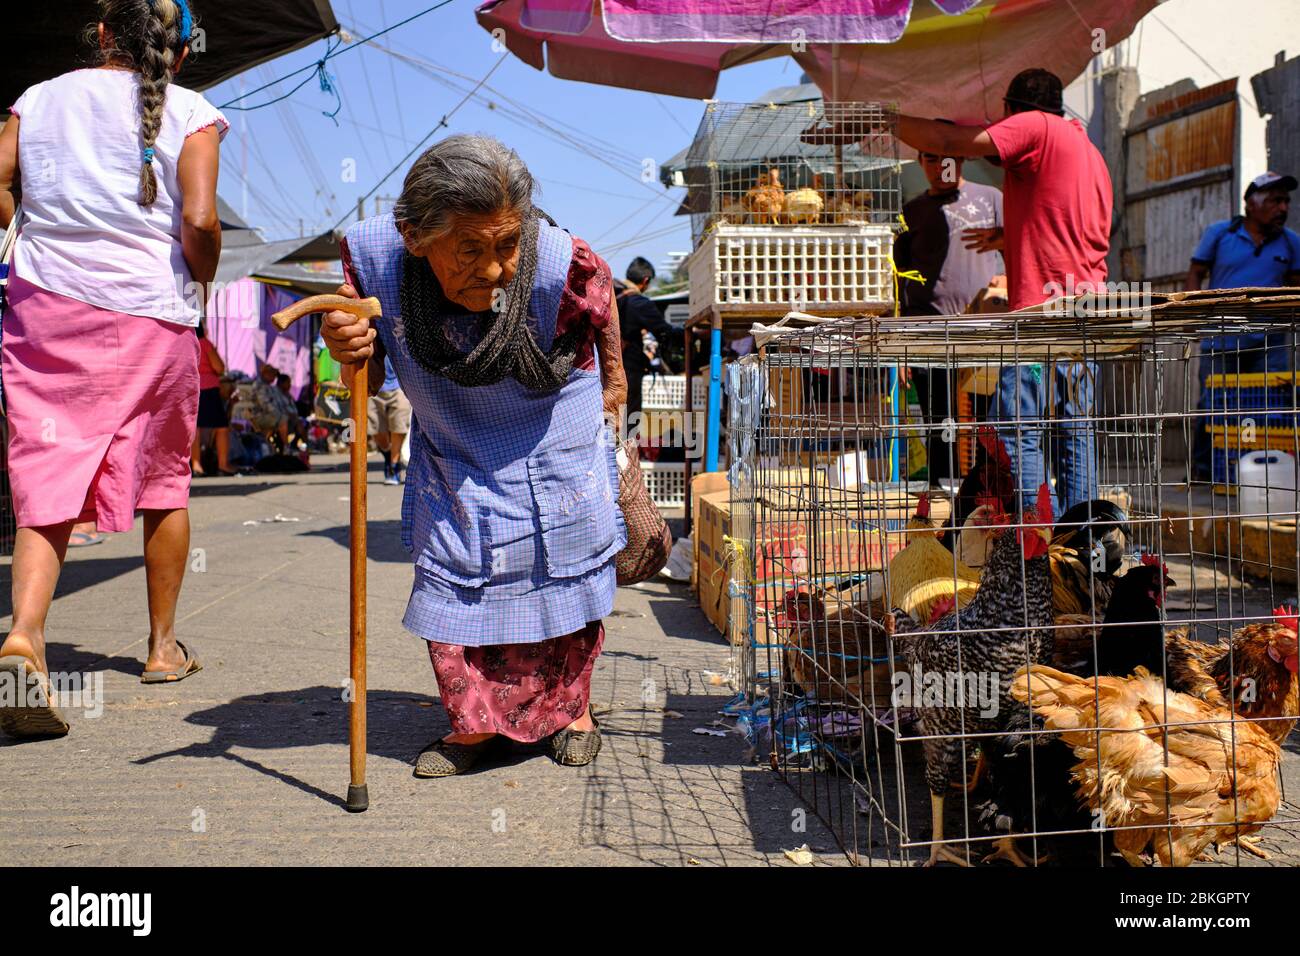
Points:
(1271, 180)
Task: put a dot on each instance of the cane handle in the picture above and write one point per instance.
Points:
(361, 308)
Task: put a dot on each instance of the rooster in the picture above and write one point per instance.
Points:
(925, 573)
(1164, 769)
(989, 485)
(765, 201)
(1005, 626)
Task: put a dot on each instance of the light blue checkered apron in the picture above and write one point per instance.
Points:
(511, 504)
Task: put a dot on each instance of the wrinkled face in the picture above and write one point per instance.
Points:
(478, 255)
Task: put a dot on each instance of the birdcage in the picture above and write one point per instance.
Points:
(793, 206)
(927, 641)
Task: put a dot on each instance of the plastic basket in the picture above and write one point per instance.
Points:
(1270, 394)
(669, 392)
(771, 270)
(666, 482)
(1228, 445)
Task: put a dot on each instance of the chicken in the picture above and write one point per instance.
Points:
(804, 206)
(924, 572)
(975, 540)
(990, 483)
(1099, 524)
(1005, 626)
(765, 201)
(1027, 778)
(1086, 555)
(1177, 770)
(835, 654)
(853, 207)
(1254, 672)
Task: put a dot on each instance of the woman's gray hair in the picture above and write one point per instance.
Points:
(461, 175)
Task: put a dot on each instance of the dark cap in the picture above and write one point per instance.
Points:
(1271, 180)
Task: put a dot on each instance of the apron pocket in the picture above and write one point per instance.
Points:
(576, 507)
(451, 531)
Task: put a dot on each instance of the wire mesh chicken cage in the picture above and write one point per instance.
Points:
(1035, 625)
(793, 206)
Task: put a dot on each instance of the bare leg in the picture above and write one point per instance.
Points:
(196, 453)
(937, 849)
(166, 548)
(38, 557)
(221, 436)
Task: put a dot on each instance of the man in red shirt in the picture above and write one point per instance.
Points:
(1057, 215)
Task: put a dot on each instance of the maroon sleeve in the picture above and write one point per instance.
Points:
(349, 276)
(587, 291)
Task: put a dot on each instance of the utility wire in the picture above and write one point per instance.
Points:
(428, 136)
(319, 66)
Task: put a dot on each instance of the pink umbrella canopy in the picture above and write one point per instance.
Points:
(934, 57)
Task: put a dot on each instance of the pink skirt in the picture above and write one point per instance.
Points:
(523, 691)
(102, 408)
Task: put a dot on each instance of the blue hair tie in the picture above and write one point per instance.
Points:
(148, 155)
(187, 19)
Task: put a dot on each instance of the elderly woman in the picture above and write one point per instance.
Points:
(503, 333)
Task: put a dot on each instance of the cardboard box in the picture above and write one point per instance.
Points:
(709, 482)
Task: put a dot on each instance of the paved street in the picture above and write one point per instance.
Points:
(245, 763)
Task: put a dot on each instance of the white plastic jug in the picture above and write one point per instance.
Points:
(1266, 483)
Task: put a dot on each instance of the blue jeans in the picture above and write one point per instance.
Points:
(1233, 355)
(1071, 445)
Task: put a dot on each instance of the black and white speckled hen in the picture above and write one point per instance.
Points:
(1006, 625)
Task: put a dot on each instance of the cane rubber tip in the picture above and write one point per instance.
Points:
(358, 798)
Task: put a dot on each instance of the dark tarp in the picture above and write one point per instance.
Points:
(45, 39)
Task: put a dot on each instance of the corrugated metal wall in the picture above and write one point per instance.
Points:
(1180, 175)
(1278, 92)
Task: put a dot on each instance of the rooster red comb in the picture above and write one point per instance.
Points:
(1286, 616)
(1043, 506)
(1149, 558)
(923, 505)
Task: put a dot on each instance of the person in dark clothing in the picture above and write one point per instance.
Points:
(950, 241)
(637, 315)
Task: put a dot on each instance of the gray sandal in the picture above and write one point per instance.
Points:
(444, 759)
(190, 666)
(33, 714)
(576, 748)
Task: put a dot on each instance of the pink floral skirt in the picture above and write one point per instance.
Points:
(526, 692)
(101, 409)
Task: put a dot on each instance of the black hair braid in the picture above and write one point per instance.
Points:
(506, 346)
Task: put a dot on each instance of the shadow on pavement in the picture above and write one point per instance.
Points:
(79, 572)
(383, 540)
(679, 615)
(399, 726)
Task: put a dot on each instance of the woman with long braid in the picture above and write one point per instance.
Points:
(119, 239)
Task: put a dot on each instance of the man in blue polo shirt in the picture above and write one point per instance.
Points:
(1252, 250)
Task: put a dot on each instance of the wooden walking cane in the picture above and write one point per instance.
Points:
(358, 797)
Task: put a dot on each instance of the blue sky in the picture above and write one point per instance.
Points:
(300, 165)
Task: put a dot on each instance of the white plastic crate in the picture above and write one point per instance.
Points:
(771, 270)
(666, 482)
(667, 392)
